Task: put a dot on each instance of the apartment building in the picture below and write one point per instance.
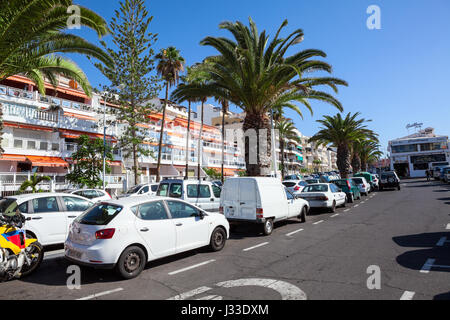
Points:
(40, 134)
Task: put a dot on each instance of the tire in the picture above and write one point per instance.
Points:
(351, 199)
(302, 215)
(399, 188)
(345, 203)
(268, 227)
(36, 248)
(126, 266)
(381, 189)
(333, 208)
(218, 239)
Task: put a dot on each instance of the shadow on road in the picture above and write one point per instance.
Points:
(417, 258)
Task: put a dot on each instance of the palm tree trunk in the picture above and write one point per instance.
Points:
(161, 137)
(356, 163)
(186, 176)
(343, 160)
(258, 122)
(200, 142)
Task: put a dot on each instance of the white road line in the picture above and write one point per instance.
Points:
(191, 267)
(257, 246)
(346, 210)
(190, 294)
(448, 227)
(427, 266)
(318, 222)
(441, 242)
(294, 232)
(408, 295)
(334, 215)
(101, 294)
(54, 254)
(356, 205)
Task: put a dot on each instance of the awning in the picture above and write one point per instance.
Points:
(13, 157)
(168, 171)
(71, 134)
(115, 163)
(37, 161)
(27, 126)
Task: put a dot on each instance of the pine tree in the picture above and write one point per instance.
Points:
(132, 83)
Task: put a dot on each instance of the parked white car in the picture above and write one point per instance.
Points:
(141, 190)
(324, 195)
(295, 186)
(260, 200)
(48, 215)
(92, 194)
(126, 234)
(364, 186)
(203, 194)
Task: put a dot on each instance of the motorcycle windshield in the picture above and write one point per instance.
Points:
(8, 207)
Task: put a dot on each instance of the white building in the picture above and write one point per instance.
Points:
(414, 154)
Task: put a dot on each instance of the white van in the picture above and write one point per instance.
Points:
(260, 200)
(203, 194)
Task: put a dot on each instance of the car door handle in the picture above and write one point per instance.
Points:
(242, 203)
(37, 218)
(145, 230)
(212, 200)
(72, 216)
(179, 224)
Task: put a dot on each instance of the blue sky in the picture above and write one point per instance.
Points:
(397, 75)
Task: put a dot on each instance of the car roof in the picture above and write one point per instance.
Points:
(133, 201)
(29, 196)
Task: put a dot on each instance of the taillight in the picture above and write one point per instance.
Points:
(349, 186)
(105, 234)
(322, 198)
(296, 188)
(259, 213)
(221, 210)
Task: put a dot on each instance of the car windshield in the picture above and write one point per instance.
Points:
(341, 183)
(8, 207)
(289, 184)
(100, 214)
(358, 181)
(316, 188)
(134, 189)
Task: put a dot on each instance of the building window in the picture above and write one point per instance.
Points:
(18, 144)
(43, 146)
(31, 145)
(55, 146)
(405, 148)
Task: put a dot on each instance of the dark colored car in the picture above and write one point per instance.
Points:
(350, 189)
(389, 179)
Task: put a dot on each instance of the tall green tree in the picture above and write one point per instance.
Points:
(133, 83)
(88, 162)
(369, 152)
(32, 34)
(33, 182)
(342, 133)
(257, 76)
(170, 65)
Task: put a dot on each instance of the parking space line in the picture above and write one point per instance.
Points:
(408, 295)
(427, 266)
(191, 267)
(441, 242)
(257, 246)
(346, 210)
(448, 227)
(101, 294)
(294, 232)
(318, 222)
(334, 215)
(356, 206)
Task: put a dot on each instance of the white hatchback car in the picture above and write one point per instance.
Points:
(364, 186)
(141, 190)
(324, 195)
(125, 234)
(295, 186)
(48, 215)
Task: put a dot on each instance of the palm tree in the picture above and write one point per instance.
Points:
(369, 152)
(32, 33)
(342, 133)
(170, 65)
(286, 131)
(33, 182)
(255, 75)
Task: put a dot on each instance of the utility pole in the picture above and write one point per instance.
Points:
(274, 152)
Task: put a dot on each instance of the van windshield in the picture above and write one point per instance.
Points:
(100, 214)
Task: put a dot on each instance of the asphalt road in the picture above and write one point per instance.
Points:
(402, 234)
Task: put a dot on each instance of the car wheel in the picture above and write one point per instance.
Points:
(333, 207)
(218, 239)
(351, 199)
(398, 187)
(302, 215)
(131, 262)
(268, 227)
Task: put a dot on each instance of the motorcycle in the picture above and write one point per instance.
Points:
(19, 256)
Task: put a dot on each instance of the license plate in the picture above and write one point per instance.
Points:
(74, 254)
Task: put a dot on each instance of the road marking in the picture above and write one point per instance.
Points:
(54, 254)
(257, 246)
(334, 215)
(408, 295)
(346, 210)
(356, 206)
(441, 242)
(191, 267)
(294, 232)
(318, 222)
(448, 227)
(101, 294)
(190, 294)
(427, 266)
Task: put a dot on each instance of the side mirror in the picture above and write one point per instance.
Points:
(201, 215)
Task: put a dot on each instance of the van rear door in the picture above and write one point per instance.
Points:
(239, 199)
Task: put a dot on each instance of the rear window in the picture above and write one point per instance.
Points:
(198, 191)
(340, 183)
(358, 181)
(387, 175)
(163, 190)
(289, 184)
(316, 188)
(8, 207)
(100, 214)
